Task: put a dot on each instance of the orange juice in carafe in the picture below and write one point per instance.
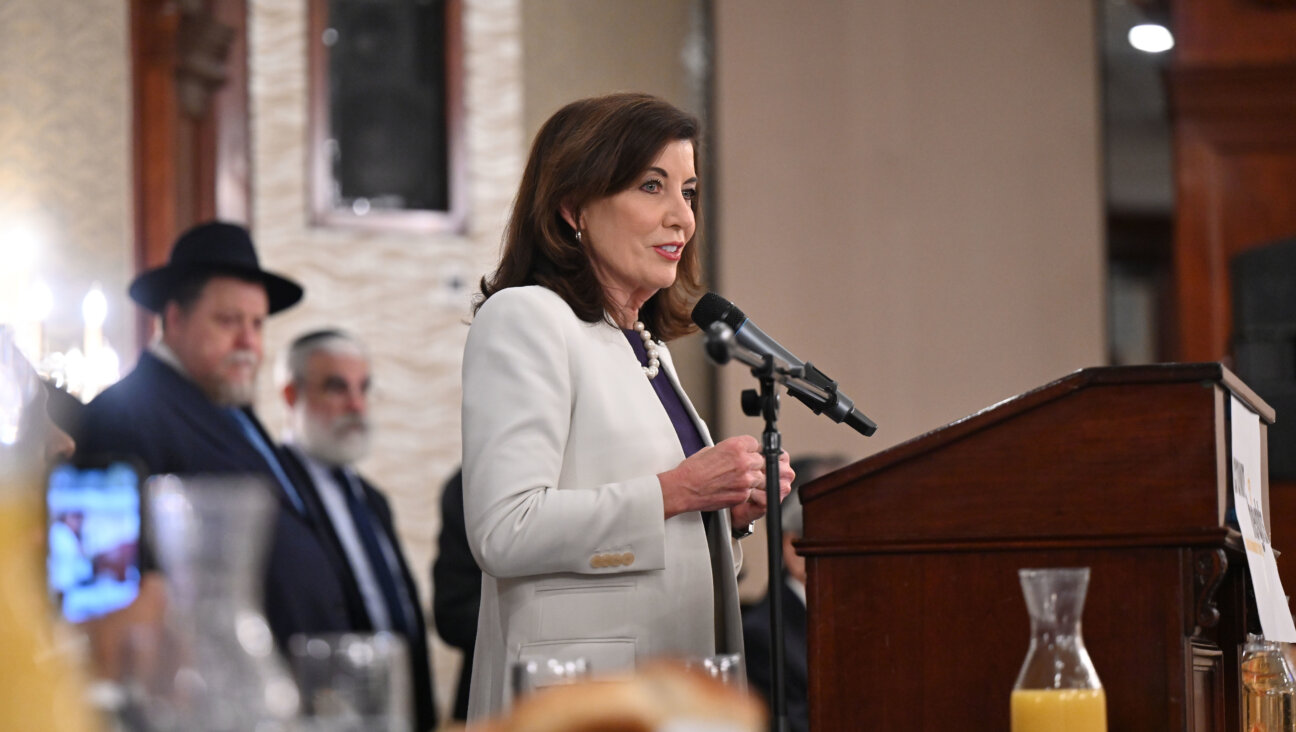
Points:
(1059, 710)
(1057, 689)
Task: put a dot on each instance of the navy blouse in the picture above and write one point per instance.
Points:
(689, 437)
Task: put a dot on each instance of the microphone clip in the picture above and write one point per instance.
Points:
(830, 401)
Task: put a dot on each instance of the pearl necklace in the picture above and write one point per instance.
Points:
(650, 347)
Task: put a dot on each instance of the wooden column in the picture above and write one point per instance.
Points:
(190, 132)
(1233, 101)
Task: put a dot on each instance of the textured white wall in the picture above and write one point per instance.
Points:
(395, 291)
(65, 155)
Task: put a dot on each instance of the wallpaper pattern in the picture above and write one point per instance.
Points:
(406, 295)
(65, 155)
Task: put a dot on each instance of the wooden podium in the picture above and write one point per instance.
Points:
(917, 620)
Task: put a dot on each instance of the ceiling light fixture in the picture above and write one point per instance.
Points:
(1151, 38)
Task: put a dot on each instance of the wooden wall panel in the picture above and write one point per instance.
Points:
(189, 83)
(1236, 190)
(1234, 32)
(1233, 102)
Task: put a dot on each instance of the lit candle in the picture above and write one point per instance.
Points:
(39, 301)
(94, 310)
(18, 250)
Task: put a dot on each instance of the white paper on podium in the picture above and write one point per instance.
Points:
(1247, 474)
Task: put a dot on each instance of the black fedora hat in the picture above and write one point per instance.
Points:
(217, 248)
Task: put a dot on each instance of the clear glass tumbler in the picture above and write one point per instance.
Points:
(353, 682)
(1268, 688)
(725, 667)
(530, 675)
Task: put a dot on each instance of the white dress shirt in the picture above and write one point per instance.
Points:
(335, 504)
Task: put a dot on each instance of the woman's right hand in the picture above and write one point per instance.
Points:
(714, 478)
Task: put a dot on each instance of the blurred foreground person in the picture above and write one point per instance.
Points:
(660, 696)
(40, 686)
(326, 387)
(595, 503)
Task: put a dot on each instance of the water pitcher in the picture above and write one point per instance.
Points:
(213, 667)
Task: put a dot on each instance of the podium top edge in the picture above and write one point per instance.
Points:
(1212, 371)
(1161, 373)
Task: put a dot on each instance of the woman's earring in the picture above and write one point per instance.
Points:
(578, 236)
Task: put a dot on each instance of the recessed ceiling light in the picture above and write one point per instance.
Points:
(1151, 38)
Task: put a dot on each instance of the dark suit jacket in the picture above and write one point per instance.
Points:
(420, 656)
(756, 636)
(456, 579)
(161, 417)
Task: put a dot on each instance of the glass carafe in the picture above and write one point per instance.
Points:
(1268, 688)
(1057, 689)
(213, 666)
(41, 686)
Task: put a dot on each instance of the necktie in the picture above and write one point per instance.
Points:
(259, 443)
(384, 572)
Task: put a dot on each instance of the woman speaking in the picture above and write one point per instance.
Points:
(595, 504)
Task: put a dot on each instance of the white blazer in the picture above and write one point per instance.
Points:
(563, 438)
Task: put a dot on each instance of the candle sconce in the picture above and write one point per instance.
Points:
(82, 369)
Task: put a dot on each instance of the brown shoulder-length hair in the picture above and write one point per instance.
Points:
(590, 149)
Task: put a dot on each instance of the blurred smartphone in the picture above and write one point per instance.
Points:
(93, 537)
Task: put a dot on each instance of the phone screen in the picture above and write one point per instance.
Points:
(94, 533)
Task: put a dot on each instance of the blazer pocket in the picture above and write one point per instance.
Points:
(588, 607)
(582, 583)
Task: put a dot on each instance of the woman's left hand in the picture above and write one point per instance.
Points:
(754, 507)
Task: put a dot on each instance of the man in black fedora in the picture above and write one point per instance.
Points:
(186, 408)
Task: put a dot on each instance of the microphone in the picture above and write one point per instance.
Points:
(712, 308)
(730, 333)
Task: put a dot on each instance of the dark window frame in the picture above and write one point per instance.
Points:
(323, 209)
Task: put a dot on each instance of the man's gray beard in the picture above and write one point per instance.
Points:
(327, 441)
(232, 394)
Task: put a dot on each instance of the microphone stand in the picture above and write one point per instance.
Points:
(765, 404)
(813, 388)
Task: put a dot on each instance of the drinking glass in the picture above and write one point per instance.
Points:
(532, 674)
(352, 682)
(723, 667)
